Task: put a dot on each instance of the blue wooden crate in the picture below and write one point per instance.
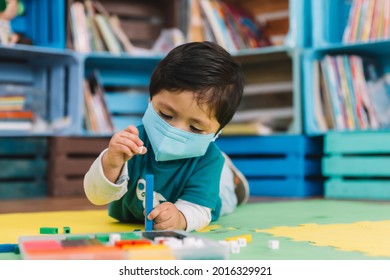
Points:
(330, 17)
(43, 21)
(300, 32)
(357, 164)
(126, 82)
(56, 77)
(23, 167)
(282, 166)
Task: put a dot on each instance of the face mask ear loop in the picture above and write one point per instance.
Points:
(216, 136)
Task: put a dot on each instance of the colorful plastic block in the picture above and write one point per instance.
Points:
(48, 230)
(149, 201)
(66, 230)
(7, 248)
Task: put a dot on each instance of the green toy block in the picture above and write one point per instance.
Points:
(66, 230)
(129, 236)
(48, 230)
(78, 237)
(102, 237)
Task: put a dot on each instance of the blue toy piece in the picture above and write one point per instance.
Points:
(7, 248)
(149, 201)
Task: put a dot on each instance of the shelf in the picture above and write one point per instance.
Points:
(376, 48)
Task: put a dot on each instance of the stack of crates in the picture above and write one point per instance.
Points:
(70, 158)
(358, 165)
(277, 166)
(23, 165)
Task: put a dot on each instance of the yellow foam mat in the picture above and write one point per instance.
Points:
(371, 238)
(92, 221)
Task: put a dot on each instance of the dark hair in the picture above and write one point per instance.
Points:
(205, 69)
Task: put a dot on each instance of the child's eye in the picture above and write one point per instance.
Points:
(196, 130)
(165, 116)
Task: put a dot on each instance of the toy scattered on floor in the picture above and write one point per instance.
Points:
(66, 230)
(129, 245)
(273, 244)
(149, 200)
(48, 230)
(7, 248)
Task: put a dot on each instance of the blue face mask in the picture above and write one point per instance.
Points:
(170, 143)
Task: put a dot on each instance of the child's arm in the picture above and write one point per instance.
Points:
(101, 181)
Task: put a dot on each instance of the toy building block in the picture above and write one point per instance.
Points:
(129, 236)
(114, 237)
(149, 201)
(66, 230)
(48, 230)
(7, 248)
(78, 237)
(103, 237)
(273, 244)
(234, 247)
(129, 243)
(242, 242)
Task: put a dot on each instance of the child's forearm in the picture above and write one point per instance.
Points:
(111, 172)
(98, 189)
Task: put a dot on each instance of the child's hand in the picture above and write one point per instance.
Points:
(122, 147)
(167, 217)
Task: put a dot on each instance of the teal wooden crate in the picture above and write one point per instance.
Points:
(23, 167)
(358, 165)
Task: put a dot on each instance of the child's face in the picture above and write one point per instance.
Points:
(182, 111)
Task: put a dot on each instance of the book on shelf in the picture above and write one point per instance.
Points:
(368, 20)
(353, 85)
(195, 31)
(93, 28)
(226, 24)
(80, 33)
(16, 125)
(16, 120)
(97, 117)
(319, 104)
(246, 128)
(108, 35)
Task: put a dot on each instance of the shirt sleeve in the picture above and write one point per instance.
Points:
(98, 189)
(197, 216)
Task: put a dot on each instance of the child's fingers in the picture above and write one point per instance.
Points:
(132, 129)
(132, 137)
(156, 212)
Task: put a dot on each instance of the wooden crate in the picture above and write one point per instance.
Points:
(23, 167)
(358, 165)
(280, 166)
(69, 160)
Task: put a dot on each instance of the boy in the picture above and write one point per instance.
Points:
(194, 92)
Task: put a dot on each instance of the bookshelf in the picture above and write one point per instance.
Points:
(330, 20)
(274, 73)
